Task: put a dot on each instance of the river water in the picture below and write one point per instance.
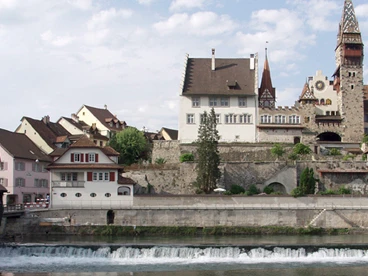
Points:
(192, 256)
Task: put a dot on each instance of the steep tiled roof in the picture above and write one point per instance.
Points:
(266, 82)
(20, 146)
(105, 117)
(109, 151)
(84, 142)
(173, 133)
(48, 131)
(200, 79)
(125, 180)
(80, 125)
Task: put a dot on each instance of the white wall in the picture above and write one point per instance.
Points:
(228, 132)
(69, 127)
(86, 116)
(102, 158)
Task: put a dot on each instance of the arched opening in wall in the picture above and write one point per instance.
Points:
(296, 140)
(110, 217)
(123, 190)
(277, 188)
(329, 136)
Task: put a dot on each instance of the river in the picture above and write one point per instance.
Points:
(179, 256)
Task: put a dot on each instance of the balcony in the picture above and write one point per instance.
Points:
(68, 184)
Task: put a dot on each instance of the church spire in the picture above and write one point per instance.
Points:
(266, 93)
(348, 27)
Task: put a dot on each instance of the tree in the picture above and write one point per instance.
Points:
(277, 150)
(131, 144)
(307, 181)
(208, 171)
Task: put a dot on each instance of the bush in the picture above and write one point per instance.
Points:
(253, 190)
(186, 157)
(293, 156)
(344, 191)
(277, 150)
(236, 189)
(268, 190)
(334, 151)
(301, 149)
(328, 192)
(348, 156)
(160, 160)
(297, 192)
(227, 193)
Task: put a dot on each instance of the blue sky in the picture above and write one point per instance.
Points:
(57, 55)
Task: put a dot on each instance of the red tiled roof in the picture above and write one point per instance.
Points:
(200, 79)
(84, 142)
(110, 151)
(125, 180)
(20, 146)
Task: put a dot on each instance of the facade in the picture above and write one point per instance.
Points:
(230, 86)
(22, 168)
(102, 119)
(88, 176)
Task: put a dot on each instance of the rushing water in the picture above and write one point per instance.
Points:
(225, 256)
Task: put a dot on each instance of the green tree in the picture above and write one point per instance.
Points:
(131, 144)
(307, 181)
(208, 171)
(277, 150)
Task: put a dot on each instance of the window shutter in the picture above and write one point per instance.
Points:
(33, 167)
(96, 157)
(89, 176)
(87, 159)
(82, 157)
(5, 165)
(112, 176)
(72, 157)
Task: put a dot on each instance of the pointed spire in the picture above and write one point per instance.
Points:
(349, 23)
(266, 93)
(307, 94)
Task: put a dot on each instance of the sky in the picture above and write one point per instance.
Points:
(56, 55)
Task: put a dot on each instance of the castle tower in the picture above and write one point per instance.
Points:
(348, 77)
(266, 93)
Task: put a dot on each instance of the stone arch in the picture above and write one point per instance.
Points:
(110, 217)
(329, 136)
(278, 187)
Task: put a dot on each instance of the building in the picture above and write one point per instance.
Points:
(102, 118)
(22, 168)
(230, 86)
(86, 175)
(168, 133)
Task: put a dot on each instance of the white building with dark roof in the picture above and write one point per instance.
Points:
(230, 86)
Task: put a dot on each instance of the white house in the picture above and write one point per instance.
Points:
(88, 176)
(228, 85)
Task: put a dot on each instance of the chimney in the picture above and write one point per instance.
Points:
(213, 66)
(105, 106)
(75, 118)
(46, 119)
(251, 61)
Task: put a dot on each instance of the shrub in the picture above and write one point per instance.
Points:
(160, 160)
(227, 193)
(186, 157)
(344, 191)
(268, 190)
(253, 190)
(334, 151)
(293, 156)
(298, 191)
(348, 156)
(302, 149)
(277, 150)
(328, 192)
(236, 189)
(364, 157)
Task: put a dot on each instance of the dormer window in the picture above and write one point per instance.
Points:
(231, 84)
(111, 124)
(77, 157)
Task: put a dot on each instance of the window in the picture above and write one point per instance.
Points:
(190, 118)
(280, 119)
(352, 86)
(19, 166)
(27, 198)
(91, 157)
(213, 101)
(245, 119)
(294, 119)
(2, 166)
(242, 102)
(44, 183)
(224, 101)
(266, 119)
(78, 194)
(20, 182)
(37, 183)
(63, 194)
(37, 167)
(201, 118)
(328, 102)
(107, 194)
(218, 119)
(322, 102)
(196, 102)
(4, 182)
(93, 194)
(77, 157)
(69, 176)
(230, 119)
(123, 191)
(101, 176)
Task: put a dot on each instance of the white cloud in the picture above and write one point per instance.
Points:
(100, 19)
(178, 5)
(7, 4)
(81, 4)
(361, 10)
(58, 41)
(145, 2)
(200, 23)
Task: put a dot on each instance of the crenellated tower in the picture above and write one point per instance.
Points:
(266, 93)
(348, 76)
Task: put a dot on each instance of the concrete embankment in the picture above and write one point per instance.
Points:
(209, 211)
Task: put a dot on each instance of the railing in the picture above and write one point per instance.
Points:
(71, 184)
(13, 208)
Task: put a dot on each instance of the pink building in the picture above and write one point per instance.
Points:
(22, 169)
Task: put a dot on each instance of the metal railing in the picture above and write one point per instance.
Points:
(70, 184)
(13, 208)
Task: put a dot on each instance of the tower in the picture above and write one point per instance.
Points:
(266, 93)
(348, 76)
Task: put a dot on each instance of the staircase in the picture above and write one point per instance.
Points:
(316, 217)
